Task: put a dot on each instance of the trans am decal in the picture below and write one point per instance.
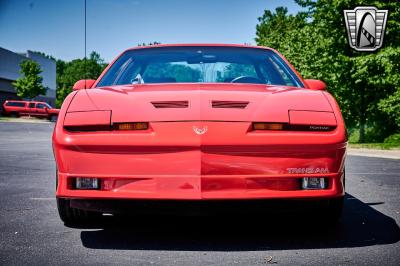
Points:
(308, 170)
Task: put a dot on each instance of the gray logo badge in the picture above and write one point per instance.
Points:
(365, 27)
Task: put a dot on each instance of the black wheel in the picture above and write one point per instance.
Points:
(53, 118)
(14, 114)
(72, 216)
(331, 210)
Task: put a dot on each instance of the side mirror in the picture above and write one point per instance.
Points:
(83, 84)
(315, 84)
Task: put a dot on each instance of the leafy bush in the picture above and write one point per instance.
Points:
(393, 140)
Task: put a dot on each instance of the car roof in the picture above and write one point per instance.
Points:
(22, 101)
(200, 44)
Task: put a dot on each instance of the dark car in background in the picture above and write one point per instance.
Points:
(15, 108)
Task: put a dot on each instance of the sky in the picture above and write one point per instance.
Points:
(56, 27)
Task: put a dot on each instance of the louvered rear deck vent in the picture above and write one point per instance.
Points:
(171, 104)
(229, 104)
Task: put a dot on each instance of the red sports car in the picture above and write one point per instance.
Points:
(191, 124)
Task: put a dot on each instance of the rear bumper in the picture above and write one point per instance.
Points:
(207, 187)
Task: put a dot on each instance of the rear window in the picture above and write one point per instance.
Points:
(200, 64)
(16, 104)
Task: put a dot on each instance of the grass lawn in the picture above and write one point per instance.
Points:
(5, 118)
(23, 119)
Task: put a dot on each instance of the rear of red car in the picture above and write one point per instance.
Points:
(197, 142)
(14, 108)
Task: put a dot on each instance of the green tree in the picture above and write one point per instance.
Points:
(234, 70)
(273, 28)
(391, 106)
(70, 72)
(29, 85)
(315, 42)
(149, 44)
(180, 73)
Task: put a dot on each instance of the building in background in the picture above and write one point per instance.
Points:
(9, 72)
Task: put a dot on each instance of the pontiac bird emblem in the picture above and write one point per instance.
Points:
(200, 131)
(365, 27)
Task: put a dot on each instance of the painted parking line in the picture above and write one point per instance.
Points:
(42, 198)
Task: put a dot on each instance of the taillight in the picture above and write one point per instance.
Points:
(288, 127)
(131, 126)
(88, 121)
(116, 127)
(269, 126)
(302, 121)
(87, 128)
(312, 120)
(312, 127)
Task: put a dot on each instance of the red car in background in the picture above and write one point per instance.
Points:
(198, 125)
(16, 108)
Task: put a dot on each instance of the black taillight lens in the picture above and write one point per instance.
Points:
(288, 127)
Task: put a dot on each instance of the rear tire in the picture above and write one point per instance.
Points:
(333, 212)
(72, 216)
(53, 118)
(14, 114)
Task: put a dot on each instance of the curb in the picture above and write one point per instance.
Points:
(387, 154)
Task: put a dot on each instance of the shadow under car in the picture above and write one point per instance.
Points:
(360, 225)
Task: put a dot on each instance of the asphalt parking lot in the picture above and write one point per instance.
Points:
(31, 232)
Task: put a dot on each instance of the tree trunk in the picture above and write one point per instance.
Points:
(362, 115)
(362, 132)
